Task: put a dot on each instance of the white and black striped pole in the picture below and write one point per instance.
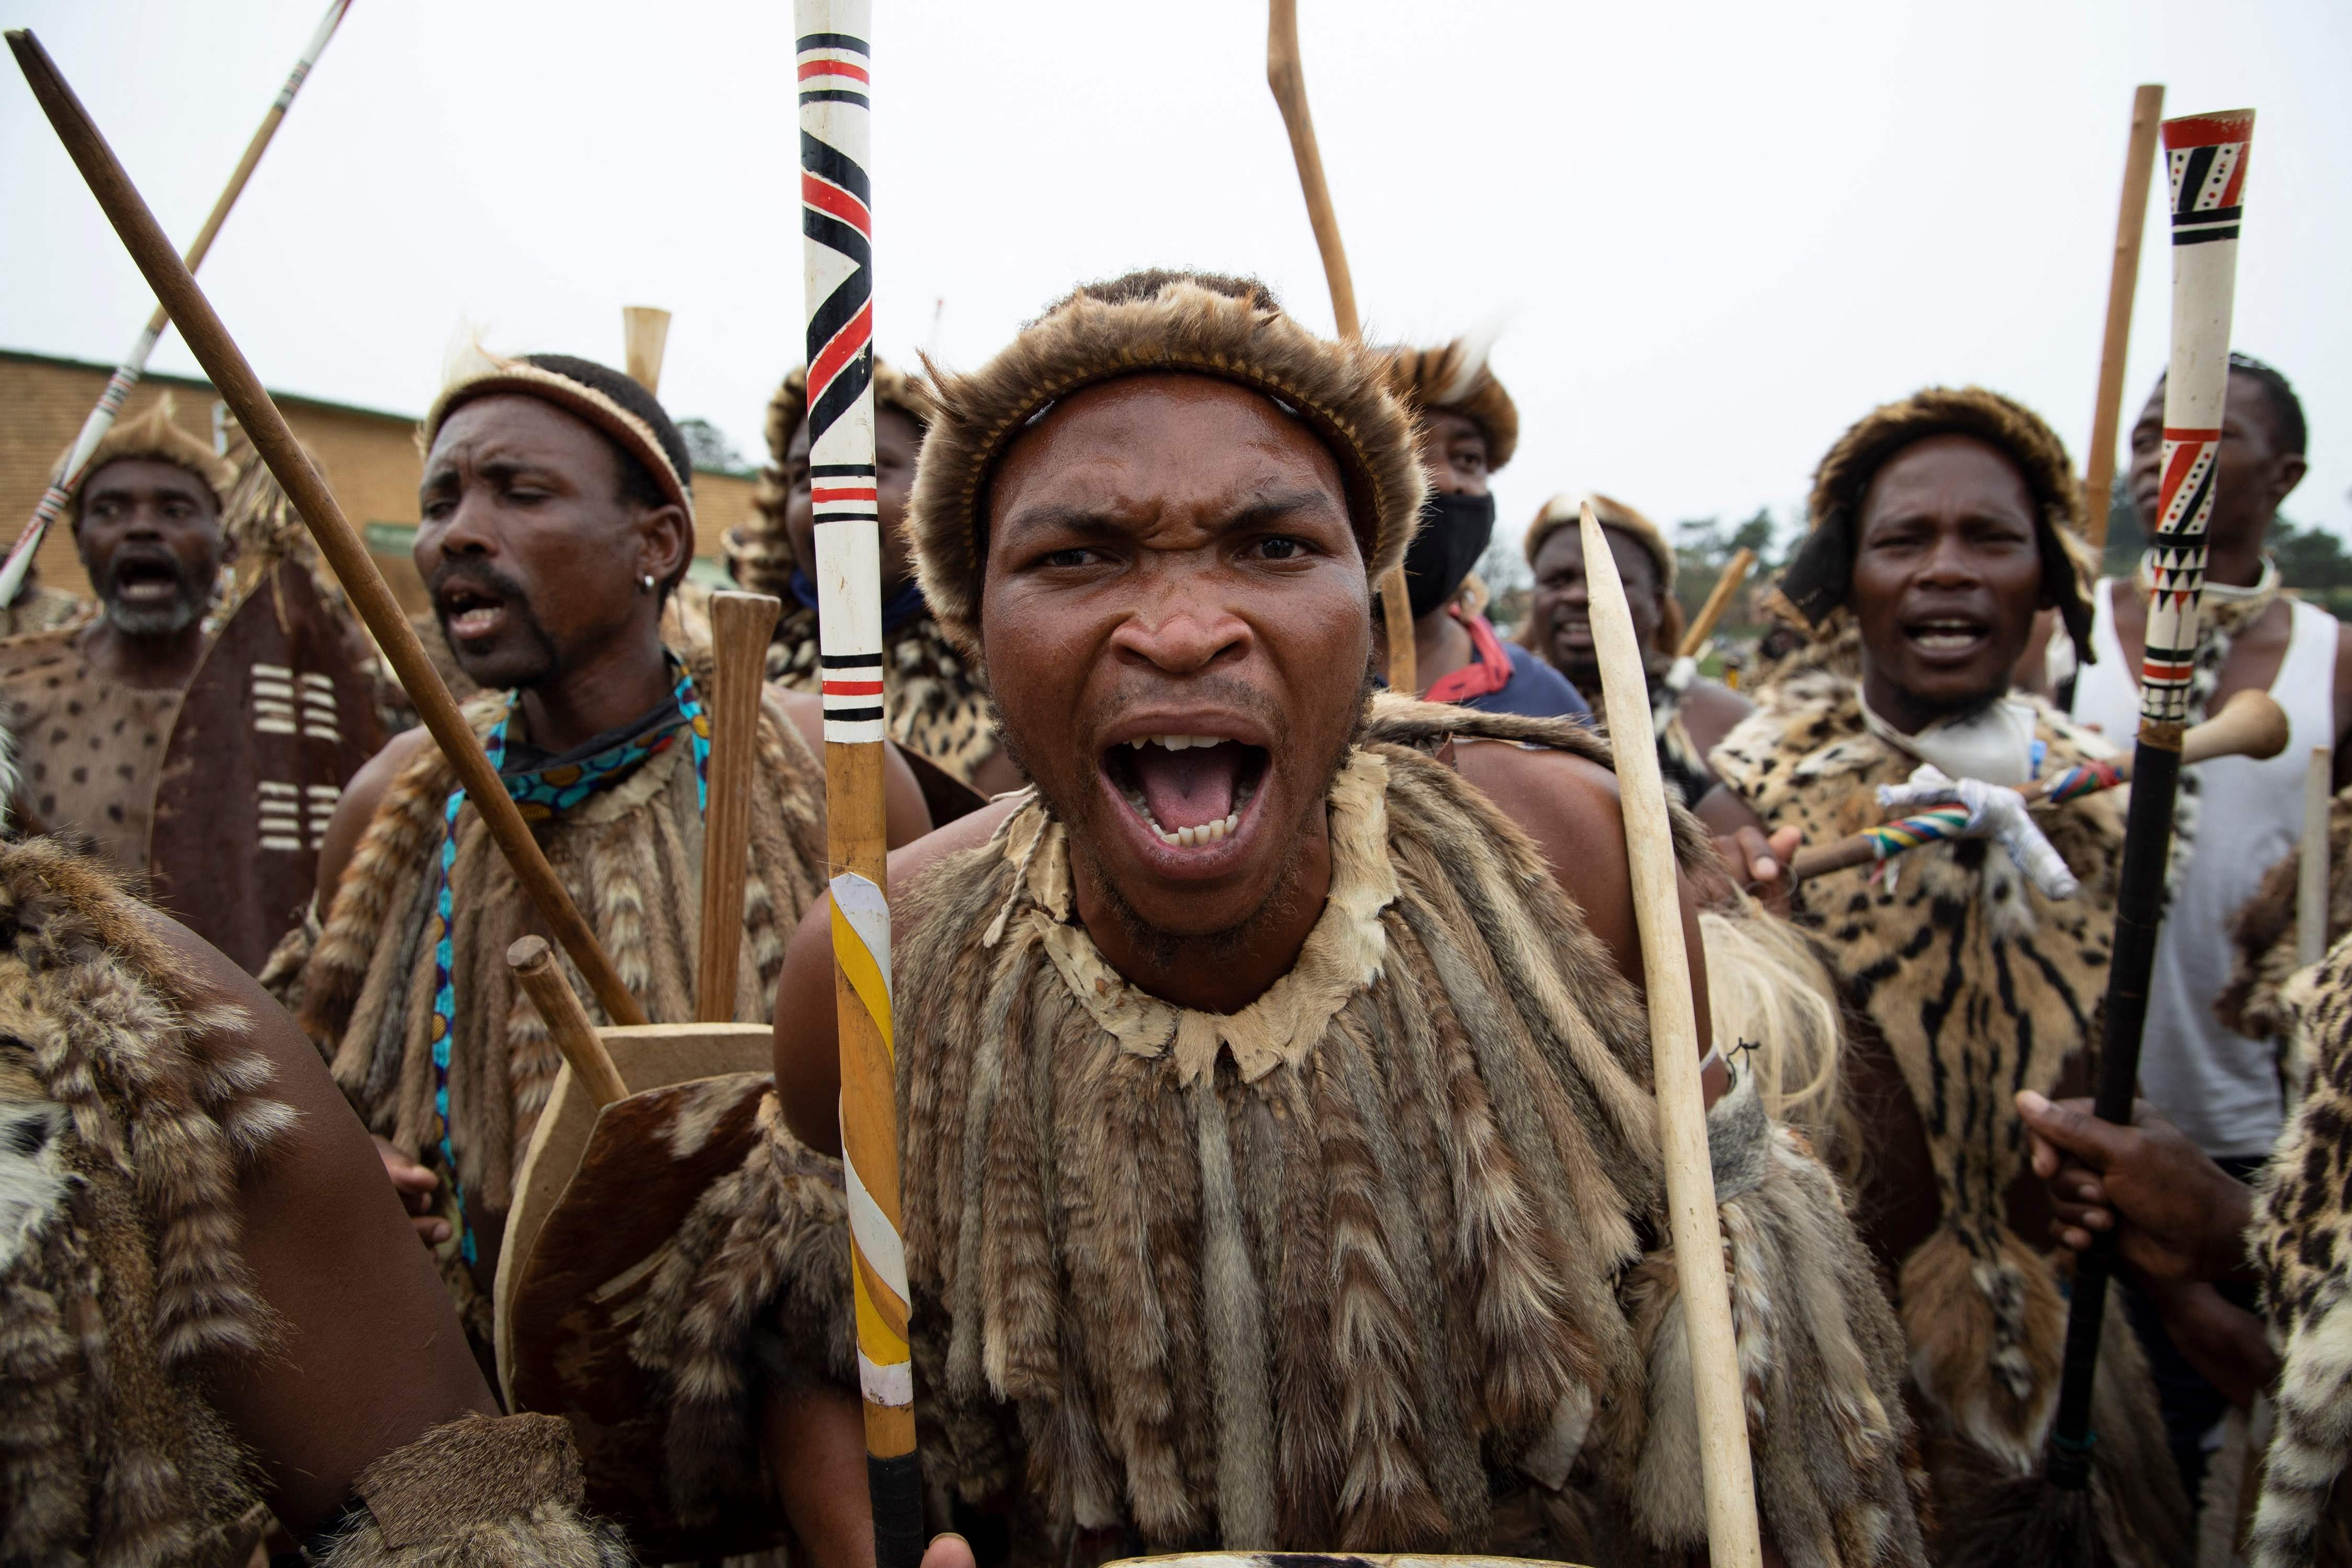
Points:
(837, 232)
(134, 363)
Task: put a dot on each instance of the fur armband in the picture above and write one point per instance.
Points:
(479, 1492)
(755, 1291)
(1819, 1356)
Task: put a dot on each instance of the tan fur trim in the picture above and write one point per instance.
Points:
(1229, 329)
(497, 373)
(1566, 510)
(479, 1492)
(1455, 378)
(151, 437)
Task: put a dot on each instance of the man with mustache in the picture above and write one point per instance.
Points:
(557, 519)
(1467, 428)
(1689, 712)
(1279, 1165)
(1942, 524)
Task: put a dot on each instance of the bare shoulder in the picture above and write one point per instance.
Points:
(1568, 807)
(909, 817)
(908, 865)
(362, 796)
(1711, 711)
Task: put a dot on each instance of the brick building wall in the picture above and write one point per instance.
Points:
(369, 455)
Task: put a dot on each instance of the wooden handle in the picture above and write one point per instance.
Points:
(2311, 880)
(533, 963)
(2250, 724)
(645, 333)
(740, 624)
(1287, 76)
(1718, 598)
(1734, 1537)
(2123, 284)
(338, 540)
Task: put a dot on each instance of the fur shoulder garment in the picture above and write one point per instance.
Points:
(128, 1116)
(1387, 1237)
(631, 857)
(2302, 1245)
(2264, 935)
(1979, 987)
(936, 702)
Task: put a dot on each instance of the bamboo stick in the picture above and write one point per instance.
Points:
(2123, 284)
(1287, 76)
(126, 374)
(533, 963)
(1733, 1535)
(2311, 881)
(225, 365)
(740, 627)
(1718, 599)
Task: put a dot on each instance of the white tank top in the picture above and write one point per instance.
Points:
(2222, 1088)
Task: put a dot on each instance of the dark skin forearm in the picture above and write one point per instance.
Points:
(2223, 1342)
(815, 1443)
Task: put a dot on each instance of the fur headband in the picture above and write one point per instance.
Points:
(1456, 379)
(1231, 329)
(153, 436)
(1564, 509)
(758, 555)
(622, 411)
(1820, 575)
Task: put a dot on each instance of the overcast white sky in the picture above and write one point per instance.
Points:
(1719, 232)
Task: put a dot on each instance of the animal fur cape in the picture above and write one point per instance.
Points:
(1979, 987)
(132, 1106)
(1374, 1263)
(632, 859)
(2264, 934)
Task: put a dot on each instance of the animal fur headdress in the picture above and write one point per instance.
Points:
(1817, 579)
(1456, 379)
(1564, 509)
(758, 555)
(154, 437)
(618, 408)
(1230, 328)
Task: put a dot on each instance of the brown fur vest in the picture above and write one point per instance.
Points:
(2302, 1245)
(936, 701)
(632, 859)
(1389, 1234)
(1977, 986)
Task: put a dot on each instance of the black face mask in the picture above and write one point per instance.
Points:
(1454, 532)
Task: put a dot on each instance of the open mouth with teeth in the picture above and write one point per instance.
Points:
(1946, 636)
(146, 580)
(1189, 790)
(469, 614)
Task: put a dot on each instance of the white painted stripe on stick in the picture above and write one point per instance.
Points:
(893, 1386)
(867, 910)
(877, 1237)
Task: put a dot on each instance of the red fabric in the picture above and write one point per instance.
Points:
(1489, 670)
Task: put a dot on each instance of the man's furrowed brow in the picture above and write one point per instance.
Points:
(1264, 510)
(1083, 522)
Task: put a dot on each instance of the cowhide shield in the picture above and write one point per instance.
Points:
(280, 714)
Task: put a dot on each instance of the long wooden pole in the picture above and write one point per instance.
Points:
(233, 379)
(2311, 892)
(740, 624)
(1287, 76)
(1734, 1537)
(534, 967)
(134, 363)
(1718, 598)
(837, 257)
(2123, 284)
(2205, 157)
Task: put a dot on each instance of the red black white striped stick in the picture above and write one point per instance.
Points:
(134, 363)
(837, 231)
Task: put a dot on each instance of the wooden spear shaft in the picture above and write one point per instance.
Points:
(1718, 598)
(1734, 1537)
(338, 540)
(740, 624)
(2123, 284)
(134, 363)
(1287, 78)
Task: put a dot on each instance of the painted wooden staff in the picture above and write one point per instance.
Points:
(2205, 159)
(2250, 724)
(1718, 599)
(2123, 285)
(1733, 1535)
(233, 379)
(836, 226)
(1287, 78)
(134, 363)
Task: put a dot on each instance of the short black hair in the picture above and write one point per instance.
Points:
(637, 486)
(2287, 408)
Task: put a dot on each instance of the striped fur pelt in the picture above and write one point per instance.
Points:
(1391, 1233)
(2302, 1245)
(130, 1111)
(1977, 986)
(477, 1492)
(2264, 935)
(632, 859)
(934, 698)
